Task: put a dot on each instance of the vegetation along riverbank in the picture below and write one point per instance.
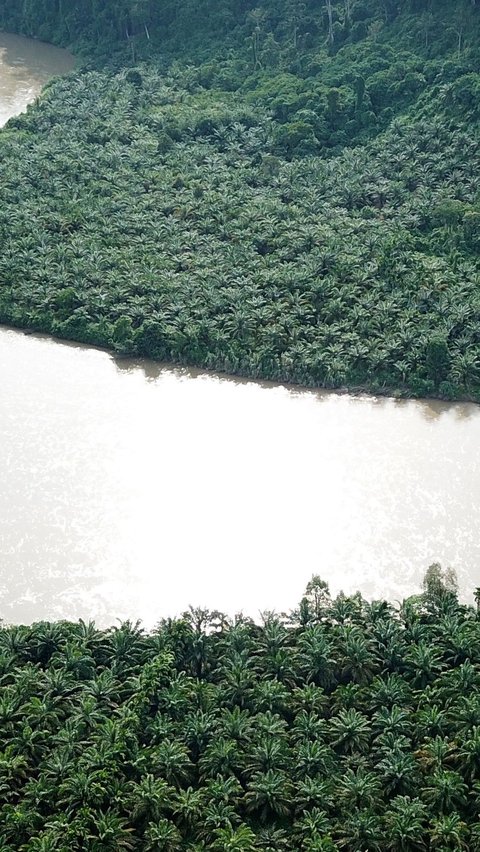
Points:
(286, 190)
(344, 725)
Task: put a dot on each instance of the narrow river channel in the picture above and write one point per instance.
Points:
(131, 489)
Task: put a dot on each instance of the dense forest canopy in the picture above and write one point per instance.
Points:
(280, 189)
(344, 725)
(180, 20)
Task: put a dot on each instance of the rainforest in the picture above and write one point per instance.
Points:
(287, 190)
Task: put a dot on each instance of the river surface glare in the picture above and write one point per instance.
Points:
(131, 489)
(134, 489)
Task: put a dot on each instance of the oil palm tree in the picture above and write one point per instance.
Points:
(424, 664)
(162, 836)
(199, 731)
(469, 755)
(215, 816)
(315, 792)
(188, 808)
(308, 725)
(313, 759)
(358, 662)
(269, 794)
(432, 721)
(358, 789)
(388, 691)
(315, 656)
(150, 799)
(448, 832)
(350, 731)
(272, 839)
(445, 791)
(266, 754)
(395, 721)
(172, 762)
(239, 679)
(239, 839)
(223, 758)
(270, 695)
(436, 753)
(361, 830)
(111, 833)
(405, 823)
(313, 825)
(236, 724)
(399, 772)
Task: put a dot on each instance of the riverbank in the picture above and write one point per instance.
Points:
(398, 394)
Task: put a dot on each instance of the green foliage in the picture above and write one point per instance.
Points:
(296, 137)
(439, 582)
(123, 740)
(285, 190)
(437, 358)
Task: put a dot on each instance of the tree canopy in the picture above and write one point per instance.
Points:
(344, 724)
(285, 190)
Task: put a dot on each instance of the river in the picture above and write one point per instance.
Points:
(132, 489)
(25, 66)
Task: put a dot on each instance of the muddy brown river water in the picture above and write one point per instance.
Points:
(25, 66)
(131, 489)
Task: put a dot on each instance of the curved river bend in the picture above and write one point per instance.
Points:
(25, 66)
(130, 489)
